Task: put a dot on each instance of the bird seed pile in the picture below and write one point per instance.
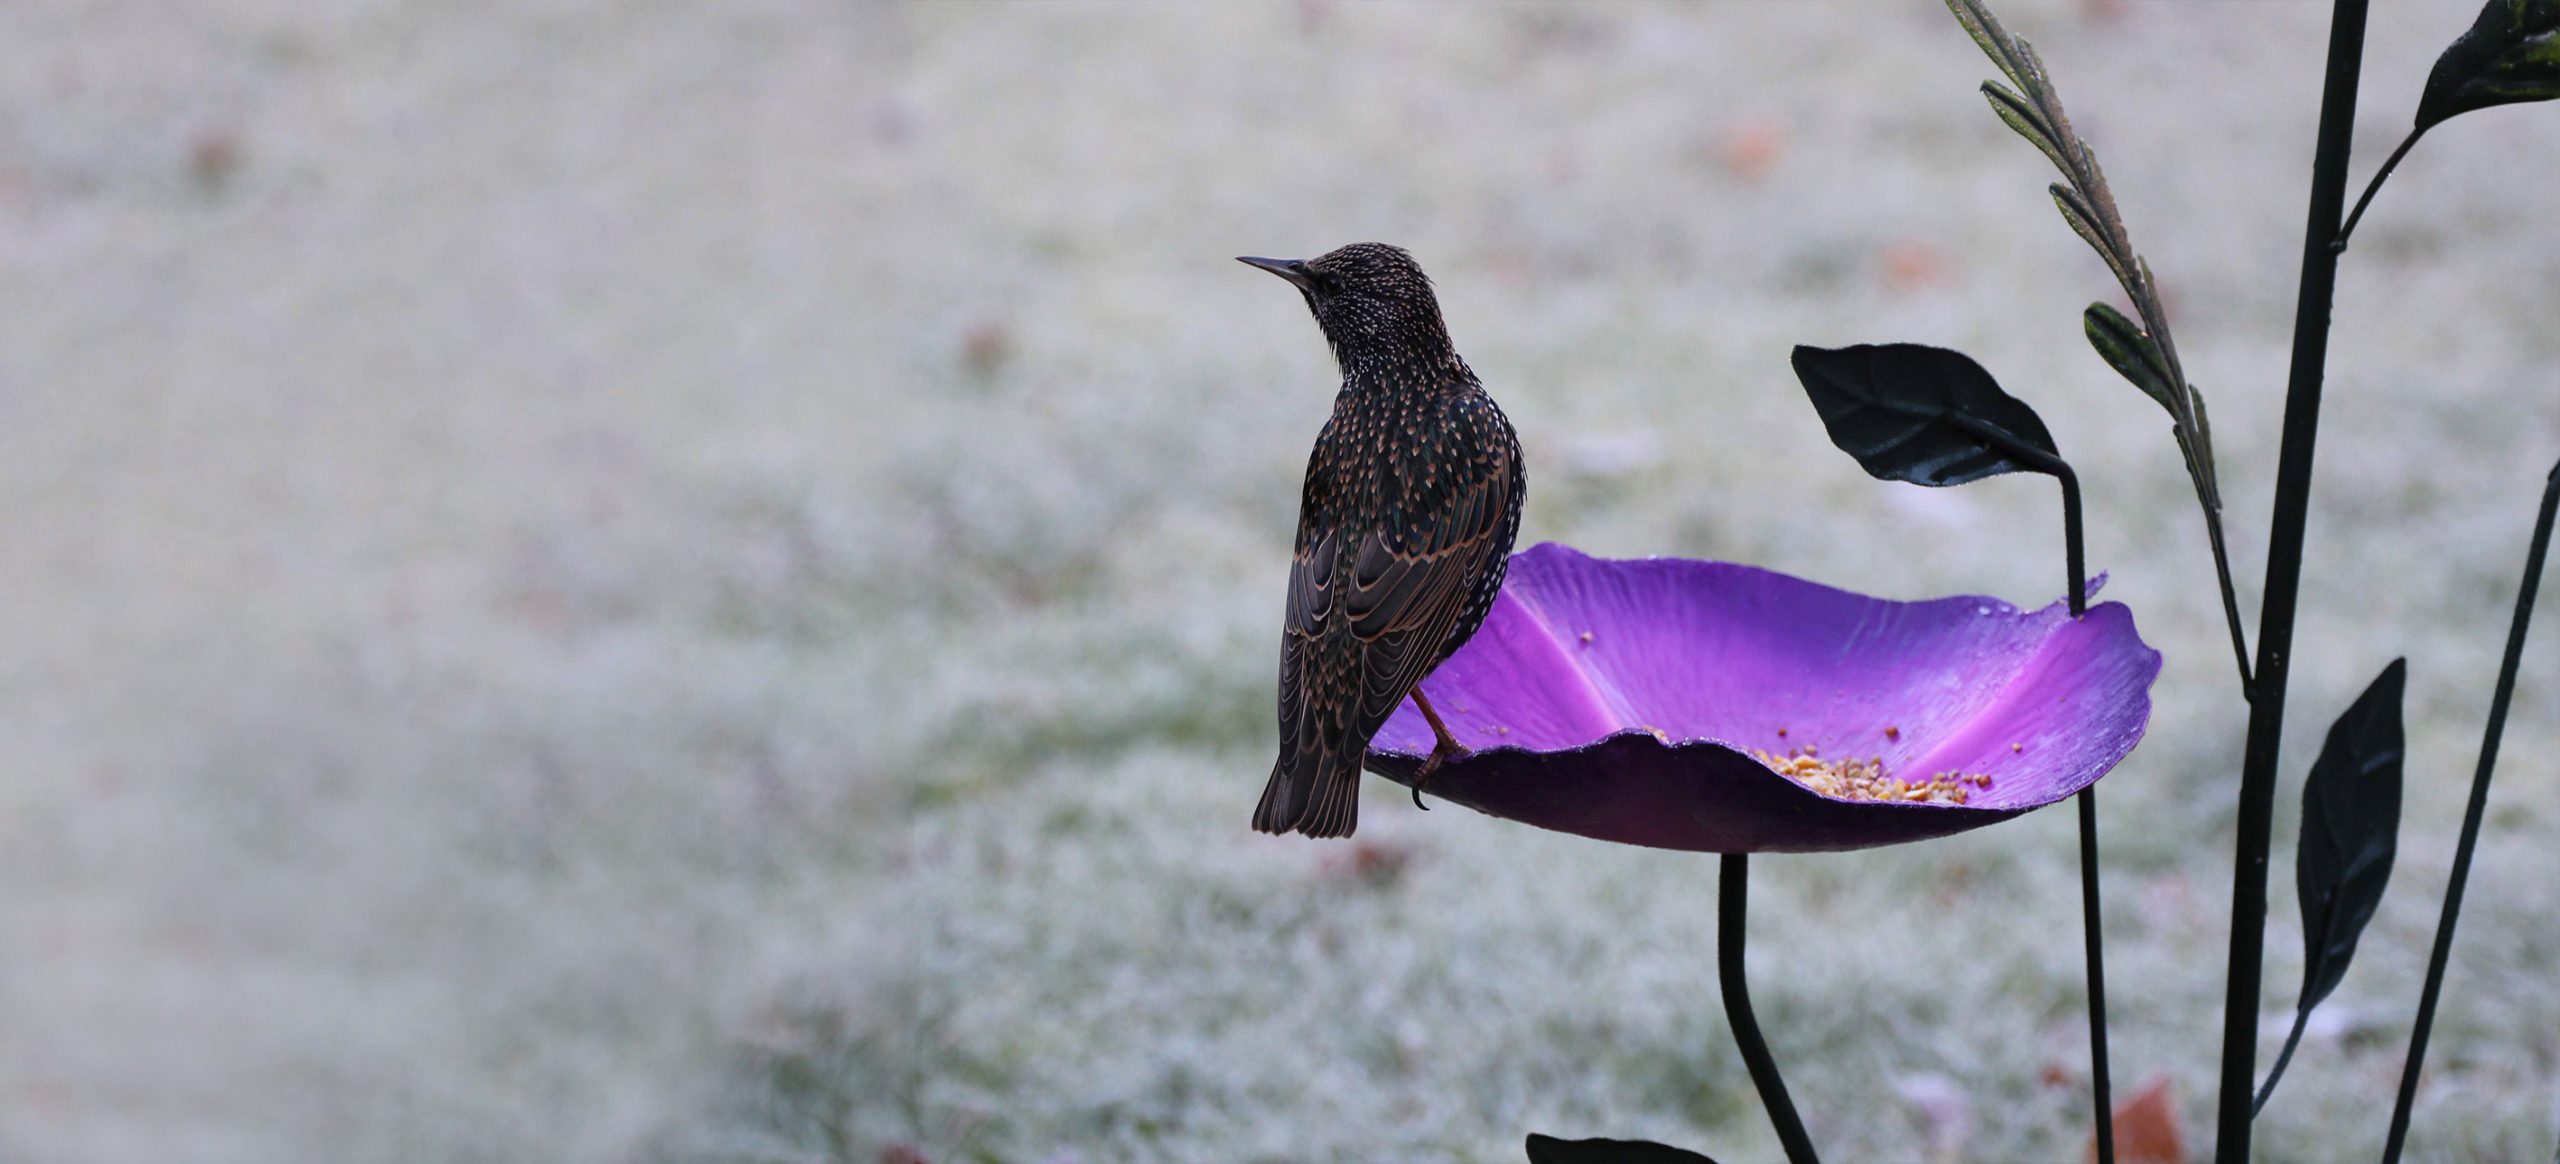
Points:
(1855, 779)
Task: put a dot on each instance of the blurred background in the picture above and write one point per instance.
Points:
(654, 582)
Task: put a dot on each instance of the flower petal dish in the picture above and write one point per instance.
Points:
(1715, 707)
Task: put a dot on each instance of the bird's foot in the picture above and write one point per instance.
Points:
(1441, 752)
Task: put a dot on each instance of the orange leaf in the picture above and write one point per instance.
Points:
(2147, 1129)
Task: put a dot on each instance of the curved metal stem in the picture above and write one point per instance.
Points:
(1733, 893)
(2230, 602)
(2292, 1039)
(2060, 470)
(2375, 187)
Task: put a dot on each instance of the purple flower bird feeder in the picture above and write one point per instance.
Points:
(1652, 702)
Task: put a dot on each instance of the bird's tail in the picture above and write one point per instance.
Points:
(1315, 791)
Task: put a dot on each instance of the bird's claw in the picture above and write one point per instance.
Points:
(1444, 750)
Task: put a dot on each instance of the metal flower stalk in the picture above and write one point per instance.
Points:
(2283, 584)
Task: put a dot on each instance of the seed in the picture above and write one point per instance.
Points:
(1854, 779)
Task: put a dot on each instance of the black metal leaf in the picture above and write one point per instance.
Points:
(1930, 416)
(1550, 1150)
(2129, 350)
(2512, 53)
(2350, 830)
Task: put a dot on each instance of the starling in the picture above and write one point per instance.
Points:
(1412, 500)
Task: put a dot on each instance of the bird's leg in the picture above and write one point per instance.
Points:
(1447, 748)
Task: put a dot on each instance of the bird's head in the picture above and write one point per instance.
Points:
(1370, 299)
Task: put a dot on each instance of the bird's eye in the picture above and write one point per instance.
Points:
(1324, 282)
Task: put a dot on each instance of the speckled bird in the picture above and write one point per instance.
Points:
(1411, 504)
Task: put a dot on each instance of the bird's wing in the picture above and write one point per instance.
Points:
(1402, 600)
(1369, 613)
(1311, 610)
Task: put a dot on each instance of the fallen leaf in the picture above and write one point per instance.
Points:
(2147, 1130)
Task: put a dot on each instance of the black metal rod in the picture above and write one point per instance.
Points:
(1733, 894)
(2092, 916)
(2471, 818)
(2284, 581)
(2072, 559)
(2093, 940)
(2051, 464)
(2096, 960)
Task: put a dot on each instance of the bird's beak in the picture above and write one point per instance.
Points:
(1294, 270)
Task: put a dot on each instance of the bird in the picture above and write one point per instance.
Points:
(1405, 525)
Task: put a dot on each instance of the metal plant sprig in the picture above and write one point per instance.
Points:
(2510, 54)
(1933, 417)
(2144, 354)
(2351, 798)
(2147, 356)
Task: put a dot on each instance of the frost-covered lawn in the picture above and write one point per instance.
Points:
(650, 583)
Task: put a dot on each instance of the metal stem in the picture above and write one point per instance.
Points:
(2471, 818)
(2096, 961)
(2230, 603)
(1733, 892)
(2375, 187)
(2284, 581)
(2072, 558)
(2092, 916)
